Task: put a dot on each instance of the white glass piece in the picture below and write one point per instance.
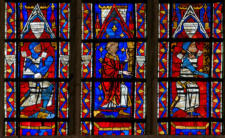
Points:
(37, 28)
(190, 28)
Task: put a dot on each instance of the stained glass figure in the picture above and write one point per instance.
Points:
(107, 66)
(114, 102)
(37, 99)
(36, 69)
(189, 72)
(189, 59)
(113, 68)
(38, 60)
(186, 99)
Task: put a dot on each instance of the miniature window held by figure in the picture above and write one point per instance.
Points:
(113, 68)
(36, 68)
(190, 53)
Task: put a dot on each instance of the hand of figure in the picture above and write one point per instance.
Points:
(37, 76)
(126, 73)
(180, 56)
(24, 54)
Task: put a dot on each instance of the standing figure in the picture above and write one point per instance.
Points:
(115, 93)
(36, 66)
(188, 91)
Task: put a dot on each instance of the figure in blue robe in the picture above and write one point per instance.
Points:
(36, 66)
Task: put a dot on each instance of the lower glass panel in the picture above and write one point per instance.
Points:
(189, 99)
(63, 100)
(216, 99)
(62, 128)
(139, 102)
(162, 99)
(85, 128)
(86, 94)
(37, 99)
(162, 128)
(10, 99)
(112, 128)
(139, 129)
(216, 128)
(113, 99)
(37, 128)
(10, 128)
(189, 128)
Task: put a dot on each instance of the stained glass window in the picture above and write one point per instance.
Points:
(190, 53)
(113, 68)
(36, 68)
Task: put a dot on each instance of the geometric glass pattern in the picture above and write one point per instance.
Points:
(113, 83)
(36, 68)
(190, 53)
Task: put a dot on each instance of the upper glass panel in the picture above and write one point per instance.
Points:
(112, 58)
(38, 60)
(191, 21)
(114, 21)
(190, 59)
(38, 21)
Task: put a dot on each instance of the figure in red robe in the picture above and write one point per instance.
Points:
(115, 93)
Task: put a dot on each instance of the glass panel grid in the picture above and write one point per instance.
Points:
(113, 68)
(190, 68)
(36, 68)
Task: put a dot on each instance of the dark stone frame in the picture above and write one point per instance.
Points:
(74, 100)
